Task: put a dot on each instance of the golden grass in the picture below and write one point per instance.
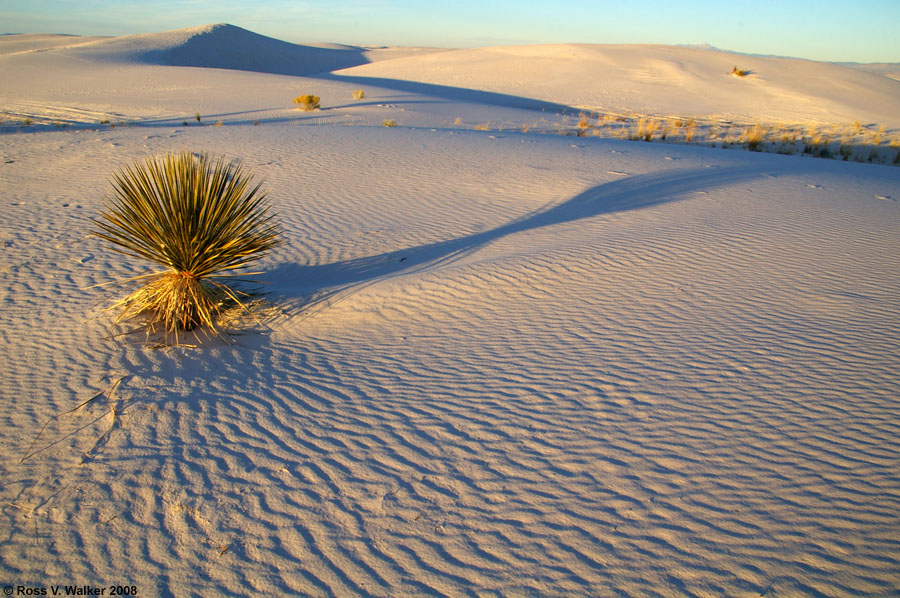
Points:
(307, 102)
(756, 136)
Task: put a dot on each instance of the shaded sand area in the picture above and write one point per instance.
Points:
(496, 363)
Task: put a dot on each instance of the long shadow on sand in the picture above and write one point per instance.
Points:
(320, 285)
(447, 92)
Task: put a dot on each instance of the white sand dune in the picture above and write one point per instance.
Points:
(226, 47)
(41, 42)
(499, 364)
(209, 46)
(664, 80)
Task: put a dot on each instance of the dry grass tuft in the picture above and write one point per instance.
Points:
(646, 129)
(583, 125)
(307, 102)
(359, 94)
(756, 136)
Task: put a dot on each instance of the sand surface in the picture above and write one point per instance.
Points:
(496, 364)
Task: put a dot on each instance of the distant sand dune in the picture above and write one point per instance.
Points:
(645, 79)
(664, 80)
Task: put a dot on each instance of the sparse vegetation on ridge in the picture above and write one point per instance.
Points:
(851, 142)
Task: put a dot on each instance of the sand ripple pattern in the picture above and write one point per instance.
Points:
(682, 382)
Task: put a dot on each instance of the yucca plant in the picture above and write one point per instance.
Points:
(197, 218)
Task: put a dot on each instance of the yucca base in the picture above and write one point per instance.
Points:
(177, 301)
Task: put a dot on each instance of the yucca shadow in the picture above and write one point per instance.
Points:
(307, 286)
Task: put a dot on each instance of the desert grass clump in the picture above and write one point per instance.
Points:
(689, 130)
(755, 137)
(307, 102)
(200, 220)
(646, 128)
(359, 94)
(583, 125)
(736, 72)
(389, 122)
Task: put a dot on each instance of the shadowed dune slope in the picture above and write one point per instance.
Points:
(225, 47)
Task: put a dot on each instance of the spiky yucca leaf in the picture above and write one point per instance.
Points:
(198, 219)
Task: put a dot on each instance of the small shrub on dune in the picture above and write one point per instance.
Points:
(582, 125)
(359, 94)
(755, 138)
(307, 102)
(389, 122)
(689, 130)
(736, 72)
(646, 128)
(199, 220)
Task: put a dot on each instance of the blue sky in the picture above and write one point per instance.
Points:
(864, 31)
